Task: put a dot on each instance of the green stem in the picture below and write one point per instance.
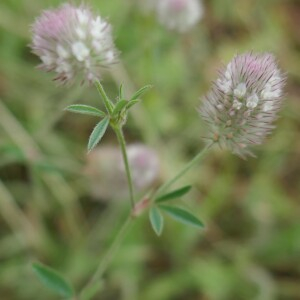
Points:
(122, 143)
(183, 171)
(93, 285)
(108, 104)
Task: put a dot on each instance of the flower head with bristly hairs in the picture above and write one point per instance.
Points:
(243, 103)
(73, 42)
(179, 15)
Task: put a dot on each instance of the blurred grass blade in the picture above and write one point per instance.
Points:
(53, 280)
(156, 220)
(119, 106)
(85, 109)
(140, 92)
(182, 215)
(97, 133)
(175, 194)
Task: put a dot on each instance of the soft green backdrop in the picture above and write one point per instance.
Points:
(250, 249)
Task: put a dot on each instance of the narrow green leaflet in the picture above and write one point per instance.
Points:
(107, 102)
(97, 133)
(121, 91)
(182, 215)
(85, 109)
(131, 103)
(156, 220)
(174, 194)
(119, 106)
(53, 280)
(140, 92)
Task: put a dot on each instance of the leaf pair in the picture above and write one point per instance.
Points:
(179, 214)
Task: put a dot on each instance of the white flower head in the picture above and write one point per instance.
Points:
(106, 171)
(74, 43)
(179, 15)
(249, 90)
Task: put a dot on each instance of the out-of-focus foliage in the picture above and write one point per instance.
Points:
(251, 246)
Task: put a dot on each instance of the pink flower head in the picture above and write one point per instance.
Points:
(243, 103)
(73, 42)
(106, 171)
(179, 15)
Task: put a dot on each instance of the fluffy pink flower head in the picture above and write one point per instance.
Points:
(73, 42)
(179, 15)
(106, 171)
(243, 103)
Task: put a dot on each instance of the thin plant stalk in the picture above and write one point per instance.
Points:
(120, 136)
(122, 143)
(183, 171)
(91, 287)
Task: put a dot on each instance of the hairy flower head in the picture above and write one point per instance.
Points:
(243, 103)
(179, 15)
(73, 42)
(107, 175)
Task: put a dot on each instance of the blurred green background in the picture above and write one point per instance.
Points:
(250, 248)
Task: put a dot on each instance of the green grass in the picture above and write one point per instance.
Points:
(250, 248)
